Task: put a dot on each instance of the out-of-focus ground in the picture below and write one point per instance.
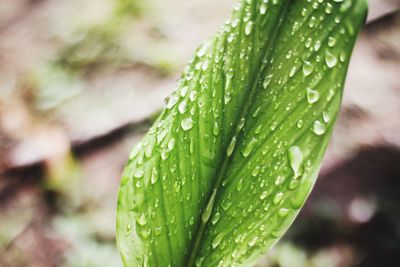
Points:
(80, 82)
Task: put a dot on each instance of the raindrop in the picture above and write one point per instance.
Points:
(255, 171)
(300, 124)
(319, 128)
(263, 9)
(253, 241)
(283, 212)
(249, 148)
(325, 116)
(293, 184)
(267, 81)
(331, 41)
(231, 147)
(296, 160)
(187, 124)
(263, 195)
(171, 144)
(139, 174)
(182, 107)
(248, 28)
(171, 101)
(141, 220)
(330, 59)
(216, 241)
(312, 96)
(307, 68)
(278, 198)
(193, 95)
(215, 218)
(239, 185)
(154, 176)
(205, 216)
(203, 49)
(216, 129)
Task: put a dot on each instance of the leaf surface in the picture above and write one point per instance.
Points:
(228, 164)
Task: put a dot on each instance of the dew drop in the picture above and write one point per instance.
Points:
(253, 241)
(300, 124)
(293, 184)
(319, 128)
(205, 216)
(182, 107)
(239, 185)
(171, 144)
(267, 81)
(215, 218)
(292, 71)
(216, 129)
(258, 129)
(263, 9)
(138, 174)
(312, 96)
(187, 124)
(216, 241)
(296, 160)
(141, 220)
(283, 212)
(231, 147)
(307, 68)
(317, 45)
(325, 116)
(331, 41)
(330, 59)
(203, 49)
(184, 91)
(279, 180)
(255, 171)
(278, 198)
(171, 101)
(154, 176)
(248, 28)
(249, 148)
(193, 95)
(263, 195)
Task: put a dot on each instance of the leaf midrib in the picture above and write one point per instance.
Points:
(225, 160)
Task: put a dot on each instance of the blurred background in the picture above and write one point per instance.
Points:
(81, 82)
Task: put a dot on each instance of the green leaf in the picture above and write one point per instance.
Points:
(228, 164)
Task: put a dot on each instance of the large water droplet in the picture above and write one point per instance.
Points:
(253, 241)
(217, 240)
(187, 124)
(141, 220)
(171, 144)
(308, 68)
(139, 174)
(248, 28)
(182, 107)
(205, 216)
(312, 96)
(319, 128)
(216, 129)
(255, 171)
(193, 95)
(231, 147)
(263, 195)
(249, 148)
(296, 160)
(330, 59)
(267, 81)
(171, 101)
(278, 198)
(154, 176)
